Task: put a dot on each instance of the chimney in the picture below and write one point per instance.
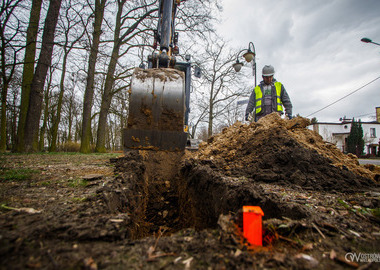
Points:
(378, 114)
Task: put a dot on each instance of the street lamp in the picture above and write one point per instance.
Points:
(249, 56)
(367, 40)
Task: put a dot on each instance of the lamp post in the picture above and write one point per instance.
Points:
(367, 40)
(249, 56)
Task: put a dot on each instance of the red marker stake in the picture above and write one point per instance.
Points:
(252, 225)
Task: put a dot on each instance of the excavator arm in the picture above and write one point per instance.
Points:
(159, 95)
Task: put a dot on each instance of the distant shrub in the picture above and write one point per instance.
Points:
(69, 147)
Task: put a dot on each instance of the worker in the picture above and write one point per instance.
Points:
(269, 96)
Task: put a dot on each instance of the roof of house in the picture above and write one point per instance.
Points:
(344, 123)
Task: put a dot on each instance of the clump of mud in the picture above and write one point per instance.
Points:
(163, 74)
(275, 150)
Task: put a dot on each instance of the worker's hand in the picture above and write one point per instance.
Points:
(246, 117)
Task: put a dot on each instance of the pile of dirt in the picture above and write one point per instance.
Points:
(275, 150)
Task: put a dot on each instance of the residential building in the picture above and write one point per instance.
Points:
(337, 133)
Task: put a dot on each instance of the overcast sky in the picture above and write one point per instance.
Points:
(315, 48)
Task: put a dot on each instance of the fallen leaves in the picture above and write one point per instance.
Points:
(90, 264)
(306, 261)
(27, 210)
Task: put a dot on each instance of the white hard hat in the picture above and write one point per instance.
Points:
(268, 70)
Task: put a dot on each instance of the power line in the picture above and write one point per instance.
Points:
(344, 96)
(372, 114)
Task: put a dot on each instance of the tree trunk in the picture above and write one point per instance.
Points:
(14, 117)
(36, 91)
(41, 144)
(70, 117)
(8, 53)
(106, 102)
(57, 118)
(3, 131)
(89, 92)
(122, 123)
(28, 71)
(210, 120)
(211, 108)
(107, 93)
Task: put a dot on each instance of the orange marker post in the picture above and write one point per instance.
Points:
(252, 225)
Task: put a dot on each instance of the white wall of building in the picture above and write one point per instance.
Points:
(336, 133)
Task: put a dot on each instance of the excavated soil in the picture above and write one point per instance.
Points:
(173, 210)
(163, 74)
(275, 150)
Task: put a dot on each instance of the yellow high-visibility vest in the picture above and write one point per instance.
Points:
(259, 98)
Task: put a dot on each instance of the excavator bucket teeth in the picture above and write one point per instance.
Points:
(156, 110)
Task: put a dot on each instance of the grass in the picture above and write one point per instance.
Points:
(376, 212)
(345, 204)
(7, 174)
(21, 172)
(111, 154)
(45, 183)
(74, 183)
(75, 154)
(79, 199)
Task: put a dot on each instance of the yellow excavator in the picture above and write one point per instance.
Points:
(160, 94)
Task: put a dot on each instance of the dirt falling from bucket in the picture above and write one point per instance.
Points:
(148, 190)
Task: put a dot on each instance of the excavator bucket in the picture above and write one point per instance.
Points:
(156, 110)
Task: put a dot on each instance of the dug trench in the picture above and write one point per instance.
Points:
(162, 193)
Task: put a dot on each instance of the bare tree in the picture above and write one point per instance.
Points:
(46, 108)
(196, 18)
(13, 100)
(89, 92)
(71, 108)
(220, 80)
(36, 91)
(191, 18)
(28, 71)
(131, 30)
(107, 73)
(8, 54)
(120, 111)
(68, 23)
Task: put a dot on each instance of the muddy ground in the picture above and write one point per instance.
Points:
(165, 210)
